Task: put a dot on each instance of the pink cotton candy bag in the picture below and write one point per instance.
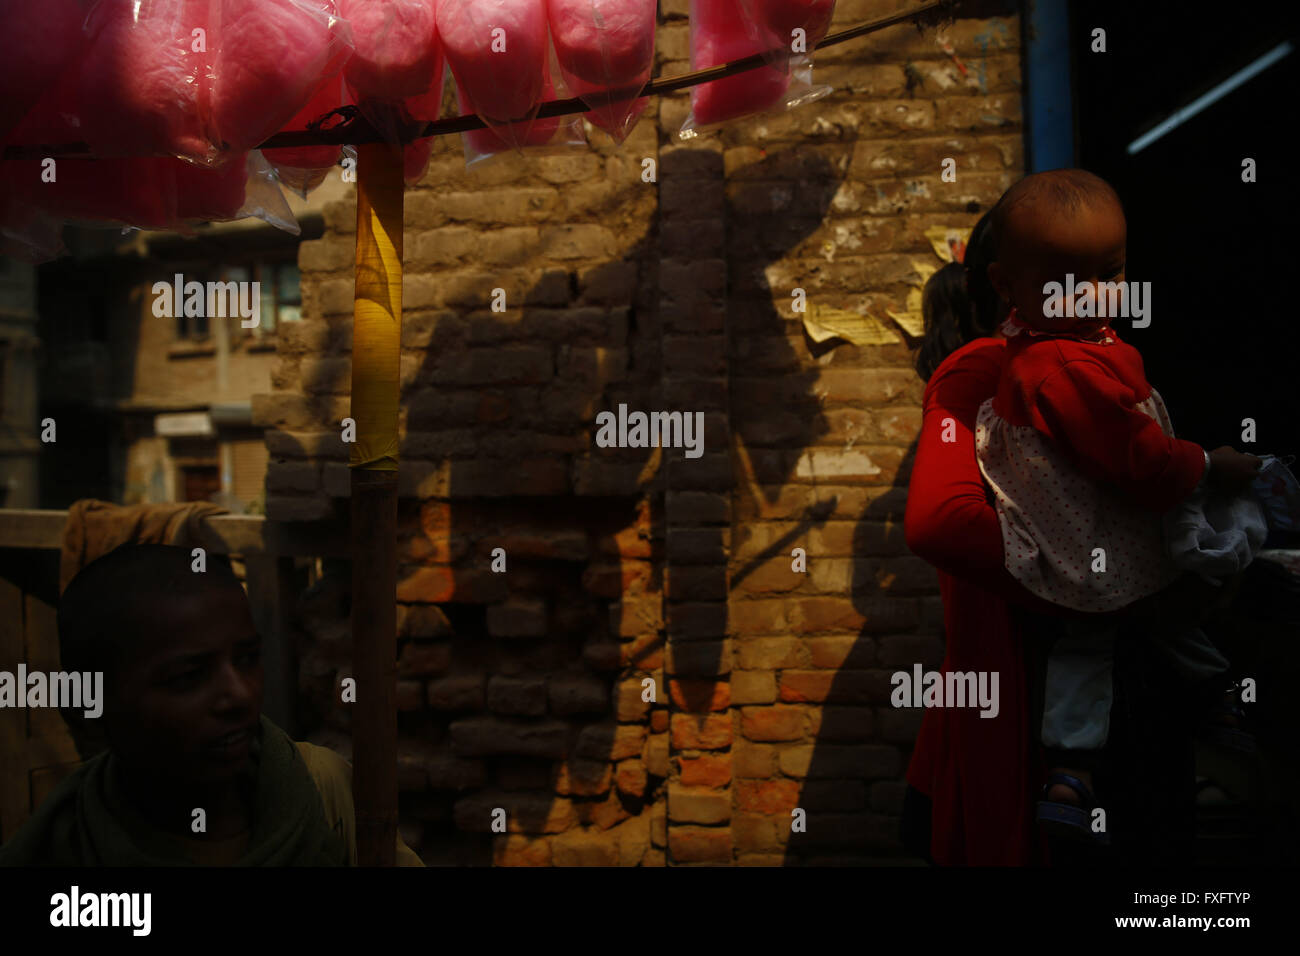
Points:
(397, 53)
(144, 192)
(605, 52)
(500, 55)
(141, 78)
(722, 31)
(303, 168)
(396, 72)
(273, 55)
(789, 28)
(200, 78)
(497, 51)
(544, 134)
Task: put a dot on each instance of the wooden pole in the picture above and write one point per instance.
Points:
(376, 351)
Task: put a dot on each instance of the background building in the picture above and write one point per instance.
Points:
(156, 409)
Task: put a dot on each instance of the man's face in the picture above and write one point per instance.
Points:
(1090, 244)
(185, 705)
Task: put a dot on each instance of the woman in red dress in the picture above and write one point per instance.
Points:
(977, 777)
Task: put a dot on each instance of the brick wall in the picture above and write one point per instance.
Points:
(523, 689)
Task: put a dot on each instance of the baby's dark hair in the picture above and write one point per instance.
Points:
(1062, 192)
(958, 303)
(112, 597)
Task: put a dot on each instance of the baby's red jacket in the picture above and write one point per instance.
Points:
(1083, 397)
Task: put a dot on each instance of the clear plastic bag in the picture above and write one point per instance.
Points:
(721, 32)
(605, 52)
(29, 234)
(788, 29)
(199, 79)
(273, 55)
(246, 187)
(303, 168)
(497, 51)
(395, 119)
(539, 135)
(419, 110)
(131, 191)
(142, 76)
(263, 198)
(396, 73)
(397, 53)
(147, 192)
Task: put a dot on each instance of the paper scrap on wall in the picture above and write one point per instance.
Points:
(824, 322)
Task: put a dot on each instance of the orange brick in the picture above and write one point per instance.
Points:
(806, 686)
(825, 614)
(690, 732)
(700, 844)
(631, 778)
(698, 696)
(753, 760)
(756, 831)
(609, 812)
(706, 770)
(767, 796)
(836, 651)
(645, 653)
(773, 723)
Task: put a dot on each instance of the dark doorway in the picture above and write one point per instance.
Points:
(1222, 346)
(1223, 341)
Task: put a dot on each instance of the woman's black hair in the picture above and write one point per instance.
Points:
(959, 303)
(944, 304)
(987, 310)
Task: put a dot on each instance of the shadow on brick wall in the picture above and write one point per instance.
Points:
(521, 689)
(853, 789)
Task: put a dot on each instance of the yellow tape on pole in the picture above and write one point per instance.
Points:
(377, 311)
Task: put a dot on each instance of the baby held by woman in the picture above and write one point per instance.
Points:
(1082, 459)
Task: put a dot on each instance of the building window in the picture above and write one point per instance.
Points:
(191, 327)
(281, 295)
(281, 299)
